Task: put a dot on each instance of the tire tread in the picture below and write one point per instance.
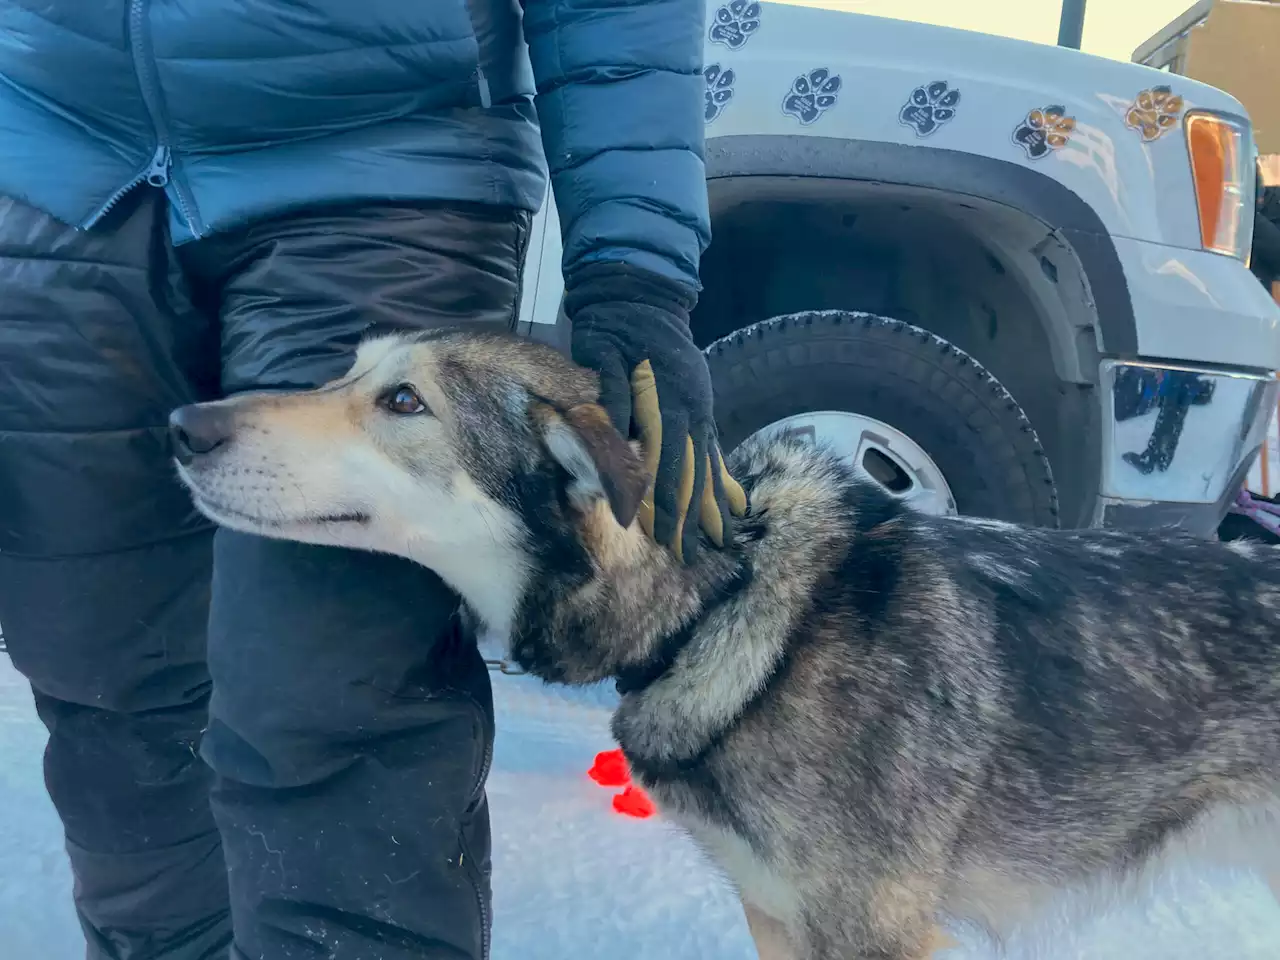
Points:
(746, 359)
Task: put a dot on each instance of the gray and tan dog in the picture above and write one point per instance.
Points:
(867, 717)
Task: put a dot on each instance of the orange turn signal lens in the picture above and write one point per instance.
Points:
(1220, 151)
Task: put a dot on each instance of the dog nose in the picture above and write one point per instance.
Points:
(198, 429)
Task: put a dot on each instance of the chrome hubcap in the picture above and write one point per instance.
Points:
(883, 454)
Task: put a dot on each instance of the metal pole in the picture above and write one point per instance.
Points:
(1071, 26)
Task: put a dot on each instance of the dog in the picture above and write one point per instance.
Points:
(868, 717)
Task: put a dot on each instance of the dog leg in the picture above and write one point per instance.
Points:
(894, 922)
(770, 936)
(936, 946)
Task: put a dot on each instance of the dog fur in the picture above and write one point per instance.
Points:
(868, 717)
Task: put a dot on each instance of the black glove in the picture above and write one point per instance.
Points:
(632, 327)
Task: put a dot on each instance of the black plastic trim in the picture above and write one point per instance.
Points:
(999, 181)
(1197, 519)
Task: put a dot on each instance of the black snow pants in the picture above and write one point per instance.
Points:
(344, 721)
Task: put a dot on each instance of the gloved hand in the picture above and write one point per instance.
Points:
(632, 327)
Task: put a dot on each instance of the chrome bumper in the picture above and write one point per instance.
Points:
(1177, 442)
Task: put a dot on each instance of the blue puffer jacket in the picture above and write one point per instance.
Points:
(245, 108)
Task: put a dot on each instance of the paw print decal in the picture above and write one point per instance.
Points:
(1154, 113)
(812, 94)
(719, 90)
(929, 108)
(735, 22)
(1044, 130)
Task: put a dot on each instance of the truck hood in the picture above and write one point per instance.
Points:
(854, 38)
(1095, 125)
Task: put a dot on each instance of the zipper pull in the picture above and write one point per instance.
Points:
(158, 173)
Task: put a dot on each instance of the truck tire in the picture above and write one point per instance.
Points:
(886, 373)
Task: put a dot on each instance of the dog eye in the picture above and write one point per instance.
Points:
(403, 401)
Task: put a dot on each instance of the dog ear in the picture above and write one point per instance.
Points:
(601, 463)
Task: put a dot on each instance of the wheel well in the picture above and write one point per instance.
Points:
(994, 281)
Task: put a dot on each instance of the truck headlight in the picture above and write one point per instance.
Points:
(1221, 151)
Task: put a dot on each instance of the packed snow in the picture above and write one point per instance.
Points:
(574, 879)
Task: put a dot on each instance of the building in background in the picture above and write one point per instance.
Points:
(1233, 45)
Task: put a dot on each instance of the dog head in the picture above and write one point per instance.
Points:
(471, 454)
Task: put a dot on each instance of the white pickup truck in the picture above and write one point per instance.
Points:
(1008, 280)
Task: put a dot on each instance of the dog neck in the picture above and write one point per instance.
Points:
(606, 602)
(799, 529)
(588, 600)
(693, 644)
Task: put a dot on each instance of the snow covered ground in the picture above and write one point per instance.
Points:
(575, 880)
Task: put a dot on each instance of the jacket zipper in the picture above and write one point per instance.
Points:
(485, 765)
(477, 784)
(474, 878)
(112, 200)
(157, 173)
(486, 921)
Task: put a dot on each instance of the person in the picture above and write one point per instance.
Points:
(1265, 259)
(200, 199)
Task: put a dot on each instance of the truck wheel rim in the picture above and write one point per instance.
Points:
(881, 453)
